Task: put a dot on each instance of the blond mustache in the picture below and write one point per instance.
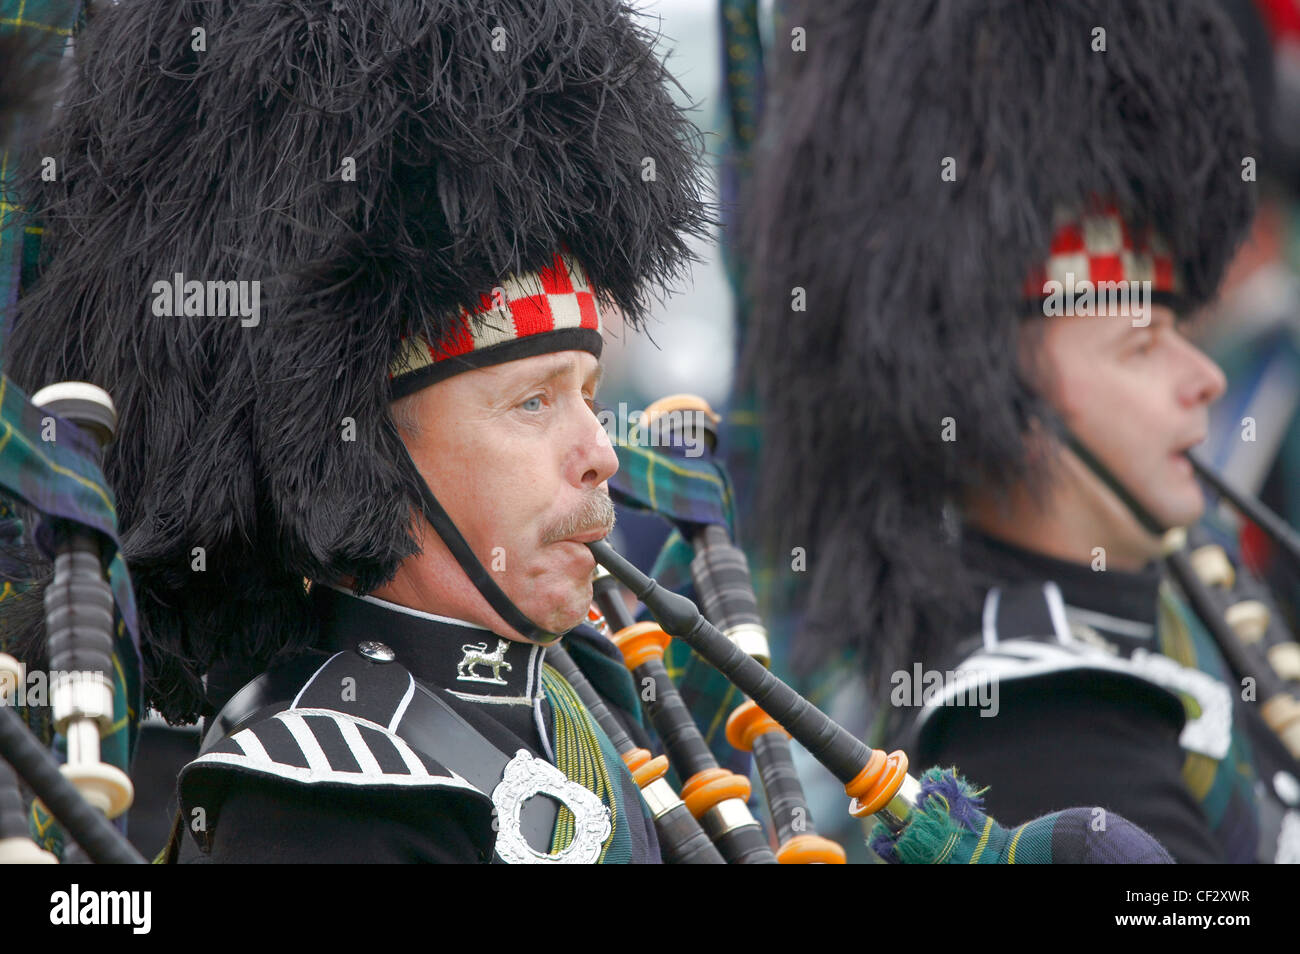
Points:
(596, 513)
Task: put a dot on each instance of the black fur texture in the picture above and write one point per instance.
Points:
(913, 283)
(471, 164)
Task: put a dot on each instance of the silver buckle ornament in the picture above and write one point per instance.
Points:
(527, 777)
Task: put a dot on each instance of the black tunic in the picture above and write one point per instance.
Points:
(1078, 736)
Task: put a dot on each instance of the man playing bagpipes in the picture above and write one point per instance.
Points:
(978, 449)
(438, 201)
(357, 507)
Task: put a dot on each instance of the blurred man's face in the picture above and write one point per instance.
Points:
(517, 458)
(1137, 397)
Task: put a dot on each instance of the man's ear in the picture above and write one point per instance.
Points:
(1032, 358)
(1041, 443)
(407, 415)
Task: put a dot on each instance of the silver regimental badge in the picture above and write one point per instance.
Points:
(526, 777)
(476, 654)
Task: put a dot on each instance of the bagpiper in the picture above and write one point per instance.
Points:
(996, 215)
(344, 269)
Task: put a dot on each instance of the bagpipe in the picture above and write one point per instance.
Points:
(878, 784)
(85, 792)
(1238, 609)
(935, 819)
(729, 635)
(710, 821)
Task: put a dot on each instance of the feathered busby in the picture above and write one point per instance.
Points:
(378, 168)
(912, 163)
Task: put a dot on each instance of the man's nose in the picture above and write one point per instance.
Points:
(596, 461)
(1203, 382)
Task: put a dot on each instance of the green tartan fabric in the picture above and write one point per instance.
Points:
(945, 833)
(684, 491)
(742, 107)
(949, 827)
(51, 23)
(51, 467)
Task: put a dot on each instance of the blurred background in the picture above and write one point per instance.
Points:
(689, 348)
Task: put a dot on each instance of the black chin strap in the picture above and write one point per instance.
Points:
(477, 573)
(1140, 513)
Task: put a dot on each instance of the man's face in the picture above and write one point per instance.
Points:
(516, 456)
(1137, 397)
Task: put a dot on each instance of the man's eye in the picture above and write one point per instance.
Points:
(532, 404)
(1145, 343)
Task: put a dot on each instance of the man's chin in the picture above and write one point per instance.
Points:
(560, 616)
(1183, 511)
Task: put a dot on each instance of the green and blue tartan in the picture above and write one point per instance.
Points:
(741, 95)
(50, 23)
(61, 479)
(950, 828)
(684, 491)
